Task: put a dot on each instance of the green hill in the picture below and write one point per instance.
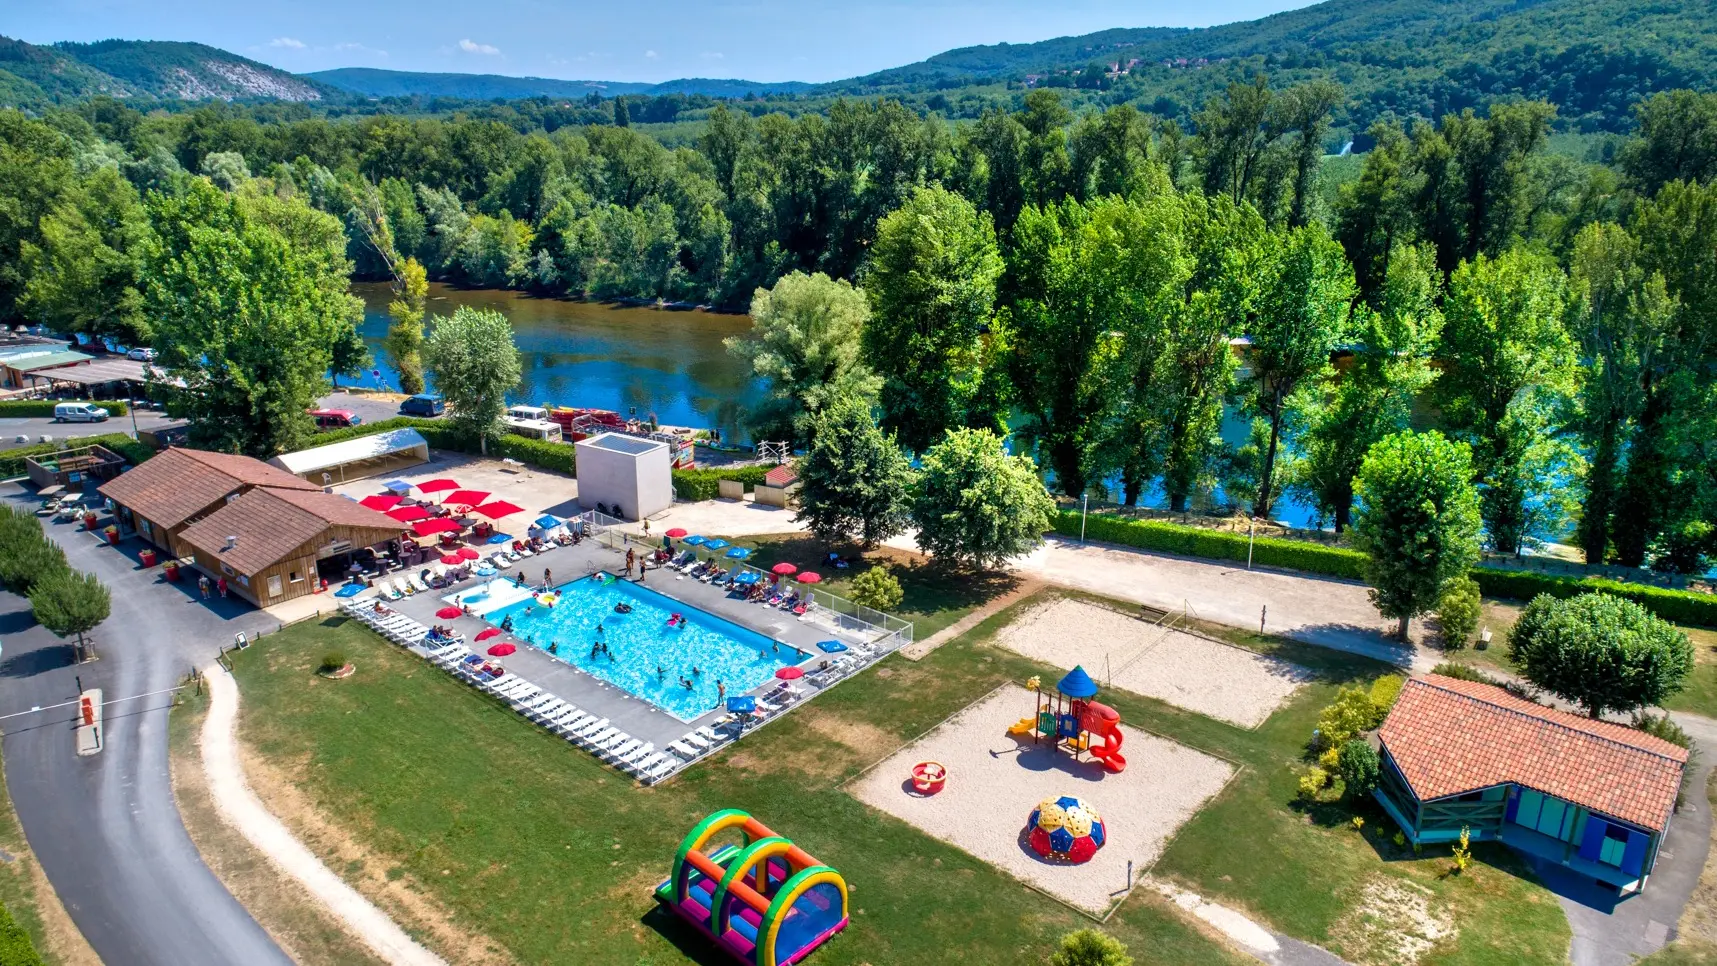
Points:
(371, 82)
(33, 76)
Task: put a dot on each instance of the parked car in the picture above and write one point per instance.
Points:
(423, 404)
(144, 354)
(79, 412)
(335, 418)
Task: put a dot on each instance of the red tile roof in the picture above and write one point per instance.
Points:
(780, 476)
(1449, 736)
(177, 484)
(270, 524)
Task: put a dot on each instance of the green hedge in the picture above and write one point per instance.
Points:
(1678, 606)
(559, 457)
(703, 484)
(27, 408)
(15, 947)
(12, 460)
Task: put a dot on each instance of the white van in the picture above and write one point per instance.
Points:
(79, 412)
(528, 412)
(543, 429)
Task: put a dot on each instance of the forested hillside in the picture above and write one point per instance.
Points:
(371, 82)
(34, 77)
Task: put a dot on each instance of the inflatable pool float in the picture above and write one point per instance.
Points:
(928, 777)
(548, 600)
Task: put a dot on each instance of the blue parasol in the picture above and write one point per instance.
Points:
(739, 553)
(748, 577)
(715, 544)
(693, 540)
(548, 521)
(831, 647)
(397, 486)
(744, 704)
(1077, 684)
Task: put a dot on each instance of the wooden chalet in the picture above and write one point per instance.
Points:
(177, 487)
(272, 544)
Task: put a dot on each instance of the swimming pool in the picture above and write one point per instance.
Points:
(641, 644)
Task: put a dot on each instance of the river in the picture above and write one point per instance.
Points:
(594, 355)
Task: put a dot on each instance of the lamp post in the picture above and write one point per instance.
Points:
(1084, 507)
(1251, 527)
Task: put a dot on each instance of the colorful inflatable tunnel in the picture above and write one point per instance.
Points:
(765, 901)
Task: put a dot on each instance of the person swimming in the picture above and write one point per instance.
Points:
(661, 673)
(622, 608)
(554, 647)
(507, 623)
(695, 672)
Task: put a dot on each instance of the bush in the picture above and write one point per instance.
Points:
(1089, 947)
(1360, 768)
(1352, 713)
(696, 485)
(1384, 691)
(15, 948)
(1458, 613)
(333, 661)
(877, 589)
(1680, 606)
(1465, 672)
(1662, 726)
(27, 557)
(39, 408)
(1599, 651)
(1684, 549)
(1313, 782)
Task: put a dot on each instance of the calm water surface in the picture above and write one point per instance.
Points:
(591, 355)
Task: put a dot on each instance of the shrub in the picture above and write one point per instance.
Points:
(1360, 768)
(1663, 726)
(39, 408)
(1684, 549)
(1352, 713)
(1384, 691)
(333, 661)
(695, 485)
(1465, 672)
(877, 589)
(27, 557)
(1089, 947)
(15, 948)
(1680, 606)
(1313, 782)
(1458, 612)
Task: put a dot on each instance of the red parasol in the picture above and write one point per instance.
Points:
(784, 568)
(487, 633)
(448, 613)
(437, 486)
(809, 578)
(452, 559)
(424, 528)
(789, 673)
(499, 509)
(469, 553)
(410, 514)
(501, 650)
(677, 532)
(465, 497)
(383, 502)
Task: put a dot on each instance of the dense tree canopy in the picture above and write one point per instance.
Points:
(973, 503)
(1600, 651)
(475, 364)
(804, 343)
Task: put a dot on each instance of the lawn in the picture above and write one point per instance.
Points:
(463, 800)
(1699, 695)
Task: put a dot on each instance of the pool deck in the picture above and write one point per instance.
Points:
(634, 715)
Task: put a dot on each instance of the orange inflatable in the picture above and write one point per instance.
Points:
(1102, 721)
(928, 777)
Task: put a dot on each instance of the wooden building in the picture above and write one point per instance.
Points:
(271, 544)
(1592, 796)
(177, 487)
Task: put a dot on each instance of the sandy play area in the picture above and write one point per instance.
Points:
(995, 781)
(1228, 683)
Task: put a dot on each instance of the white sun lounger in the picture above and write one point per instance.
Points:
(697, 742)
(510, 688)
(660, 770)
(602, 739)
(710, 735)
(618, 753)
(683, 749)
(562, 718)
(552, 705)
(500, 560)
(586, 730)
(643, 763)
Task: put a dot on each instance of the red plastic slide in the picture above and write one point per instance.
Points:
(1105, 722)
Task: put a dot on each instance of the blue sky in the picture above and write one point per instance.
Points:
(634, 40)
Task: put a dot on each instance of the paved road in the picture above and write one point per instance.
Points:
(12, 427)
(105, 828)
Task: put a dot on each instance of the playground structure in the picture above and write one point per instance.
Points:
(928, 777)
(1066, 829)
(1071, 719)
(765, 901)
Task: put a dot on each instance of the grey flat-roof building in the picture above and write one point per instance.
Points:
(625, 472)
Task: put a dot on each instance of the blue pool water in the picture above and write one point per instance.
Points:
(641, 642)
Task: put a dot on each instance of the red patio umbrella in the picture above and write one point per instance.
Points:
(784, 568)
(487, 633)
(789, 673)
(437, 486)
(468, 553)
(501, 650)
(452, 559)
(677, 532)
(499, 509)
(809, 578)
(465, 497)
(448, 613)
(410, 514)
(383, 502)
(424, 528)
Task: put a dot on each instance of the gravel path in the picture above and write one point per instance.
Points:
(995, 781)
(241, 808)
(1227, 683)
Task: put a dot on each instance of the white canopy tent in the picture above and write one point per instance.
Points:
(355, 459)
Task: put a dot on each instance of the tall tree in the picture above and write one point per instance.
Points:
(1418, 522)
(83, 269)
(931, 282)
(805, 342)
(1677, 140)
(857, 482)
(1372, 213)
(68, 603)
(246, 314)
(404, 339)
(475, 364)
(35, 168)
(1373, 396)
(975, 504)
(1305, 113)
(1233, 134)
(1508, 360)
(1600, 651)
(1302, 315)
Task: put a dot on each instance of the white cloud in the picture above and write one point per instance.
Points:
(292, 42)
(471, 47)
(650, 55)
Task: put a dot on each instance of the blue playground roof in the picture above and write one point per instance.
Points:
(1077, 684)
